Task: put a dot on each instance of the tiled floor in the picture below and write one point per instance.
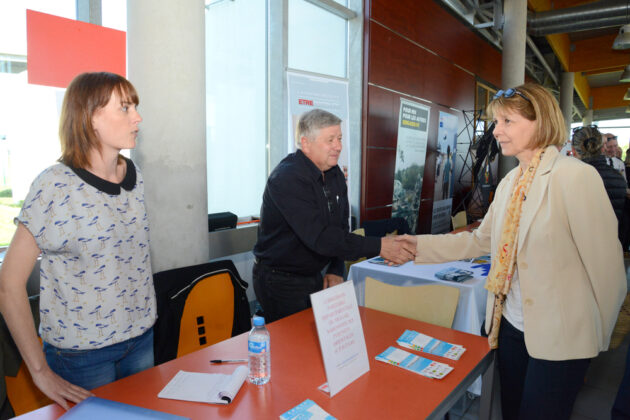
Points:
(596, 397)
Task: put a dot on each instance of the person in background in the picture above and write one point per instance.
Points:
(586, 144)
(303, 225)
(87, 218)
(557, 278)
(610, 147)
(446, 180)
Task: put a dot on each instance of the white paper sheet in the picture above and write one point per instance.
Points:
(213, 388)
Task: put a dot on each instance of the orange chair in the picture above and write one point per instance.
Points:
(23, 395)
(18, 387)
(197, 306)
(208, 314)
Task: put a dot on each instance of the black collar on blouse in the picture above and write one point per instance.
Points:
(105, 186)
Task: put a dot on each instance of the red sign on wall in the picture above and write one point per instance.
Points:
(58, 49)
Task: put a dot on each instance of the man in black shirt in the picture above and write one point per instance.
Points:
(304, 223)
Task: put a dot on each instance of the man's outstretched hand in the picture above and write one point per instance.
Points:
(398, 249)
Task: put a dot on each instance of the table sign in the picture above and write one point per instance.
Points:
(340, 335)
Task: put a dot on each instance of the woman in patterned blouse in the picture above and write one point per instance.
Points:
(86, 217)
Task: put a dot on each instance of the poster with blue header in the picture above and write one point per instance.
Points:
(411, 151)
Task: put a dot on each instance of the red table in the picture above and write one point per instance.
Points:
(297, 370)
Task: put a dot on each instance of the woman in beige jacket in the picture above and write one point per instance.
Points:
(557, 278)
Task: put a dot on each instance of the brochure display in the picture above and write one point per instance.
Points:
(307, 410)
(340, 335)
(454, 274)
(418, 341)
(413, 363)
(212, 388)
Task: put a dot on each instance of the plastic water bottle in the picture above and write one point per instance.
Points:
(259, 361)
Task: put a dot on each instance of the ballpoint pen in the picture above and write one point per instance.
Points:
(228, 361)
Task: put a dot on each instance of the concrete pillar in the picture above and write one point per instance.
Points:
(513, 59)
(566, 100)
(277, 62)
(588, 117)
(166, 50)
(89, 11)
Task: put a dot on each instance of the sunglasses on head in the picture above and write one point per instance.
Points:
(576, 129)
(509, 93)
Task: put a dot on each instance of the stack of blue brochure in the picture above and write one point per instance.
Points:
(413, 363)
(421, 342)
(454, 274)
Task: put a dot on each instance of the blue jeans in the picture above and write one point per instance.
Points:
(90, 369)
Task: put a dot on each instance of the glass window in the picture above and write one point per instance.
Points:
(29, 114)
(236, 105)
(114, 14)
(317, 39)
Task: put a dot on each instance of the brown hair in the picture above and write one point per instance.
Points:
(535, 104)
(87, 93)
(587, 141)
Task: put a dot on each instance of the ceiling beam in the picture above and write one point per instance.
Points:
(582, 88)
(609, 96)
(603, 71)
(562, 4)
(595, 54)
(561, 44)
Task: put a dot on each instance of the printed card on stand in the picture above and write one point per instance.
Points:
(340, 335)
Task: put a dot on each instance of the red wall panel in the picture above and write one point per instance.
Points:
(378, 213)
(382, 118)
(428, 24)
(380, 176)
(58, 49)
(397, 64)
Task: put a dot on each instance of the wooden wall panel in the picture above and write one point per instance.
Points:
(382, 118)
(378, 213)
(397, 64)
(380, 177)
(415, 49)
(426, 23)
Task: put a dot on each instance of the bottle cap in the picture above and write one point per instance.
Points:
(259, 321)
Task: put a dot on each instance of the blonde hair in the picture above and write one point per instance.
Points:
(87, 93)
(536, 104)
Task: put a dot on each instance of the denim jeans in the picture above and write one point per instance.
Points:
(90, 369)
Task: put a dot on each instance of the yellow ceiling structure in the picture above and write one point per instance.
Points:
(590, 56)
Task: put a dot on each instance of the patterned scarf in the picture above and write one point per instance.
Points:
(501, 273)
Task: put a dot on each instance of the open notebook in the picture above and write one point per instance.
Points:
(213, 388)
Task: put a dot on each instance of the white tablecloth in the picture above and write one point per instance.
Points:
(471, 308)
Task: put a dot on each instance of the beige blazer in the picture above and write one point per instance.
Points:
(569, 260)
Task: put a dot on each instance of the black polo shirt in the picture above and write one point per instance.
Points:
(304, 220)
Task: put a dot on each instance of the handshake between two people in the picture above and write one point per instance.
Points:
(398, 249)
